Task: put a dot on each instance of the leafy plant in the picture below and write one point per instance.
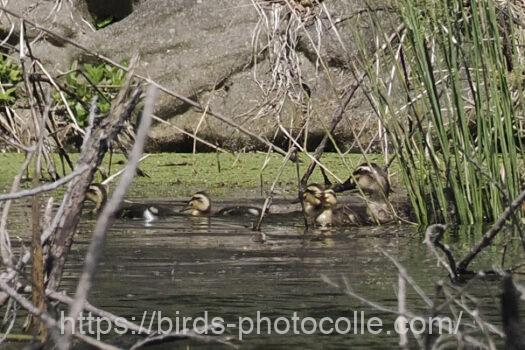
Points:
(103, 22)
(83, 83)
(10, 76)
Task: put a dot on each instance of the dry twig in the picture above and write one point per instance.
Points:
(105, 218)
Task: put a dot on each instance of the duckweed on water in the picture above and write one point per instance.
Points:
(178, 175)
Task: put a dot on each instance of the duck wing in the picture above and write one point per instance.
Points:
(162, 210)
(138, 211)
(131, 211)
(239, 210)
(350, 215)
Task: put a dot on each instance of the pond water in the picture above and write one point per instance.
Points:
(184, 267)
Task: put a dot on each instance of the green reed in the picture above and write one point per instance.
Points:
(443, 94)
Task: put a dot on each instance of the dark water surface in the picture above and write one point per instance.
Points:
(185, 266)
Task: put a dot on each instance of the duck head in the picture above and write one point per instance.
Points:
(312, 198)
(97, 194)
(329, 201)
(198, 205)
(372, 180)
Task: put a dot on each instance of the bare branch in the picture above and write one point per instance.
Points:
(185, 334)
(401, 306)
(105, 218)
(186, 100)
(5, 245)
(46, 187)
(118, 173)
(64, 225)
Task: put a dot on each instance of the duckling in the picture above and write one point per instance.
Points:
(200, 205)
(326, 216)
(239, 211)
(312, 200)
(148, 212)
(374, 211)
(311, 203)
(97, 193)
(331, 215)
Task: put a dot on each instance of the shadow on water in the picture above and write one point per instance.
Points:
(185, 267)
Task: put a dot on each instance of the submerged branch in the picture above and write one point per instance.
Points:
(433, 235)
(132, 327)
(489, 236)
(184, 335)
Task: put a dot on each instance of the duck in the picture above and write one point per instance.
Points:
(312, 199)
(97, 194)
(200, 205)
(371, 178)
(326, 214)
(333, 215)
(373, 181)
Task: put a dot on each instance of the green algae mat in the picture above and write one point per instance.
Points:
(171, 175)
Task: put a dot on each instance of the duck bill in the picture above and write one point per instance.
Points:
(348, 185)
(186, 208)
(91, 197)
(297, 200)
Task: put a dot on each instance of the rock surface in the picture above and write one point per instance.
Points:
(203, 50)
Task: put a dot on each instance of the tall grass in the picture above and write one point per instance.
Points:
(447, 103)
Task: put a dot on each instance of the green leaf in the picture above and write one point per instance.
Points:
(15, 75)
(95, 73)
(8, 96)
(80, 111)
(104, 22)
(104, 107)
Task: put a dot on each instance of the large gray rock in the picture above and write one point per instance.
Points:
(203, 49)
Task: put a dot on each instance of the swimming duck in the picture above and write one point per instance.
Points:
(333, 215)
(97, 193)
(312, 201)
(200, 205)
(326, 214)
